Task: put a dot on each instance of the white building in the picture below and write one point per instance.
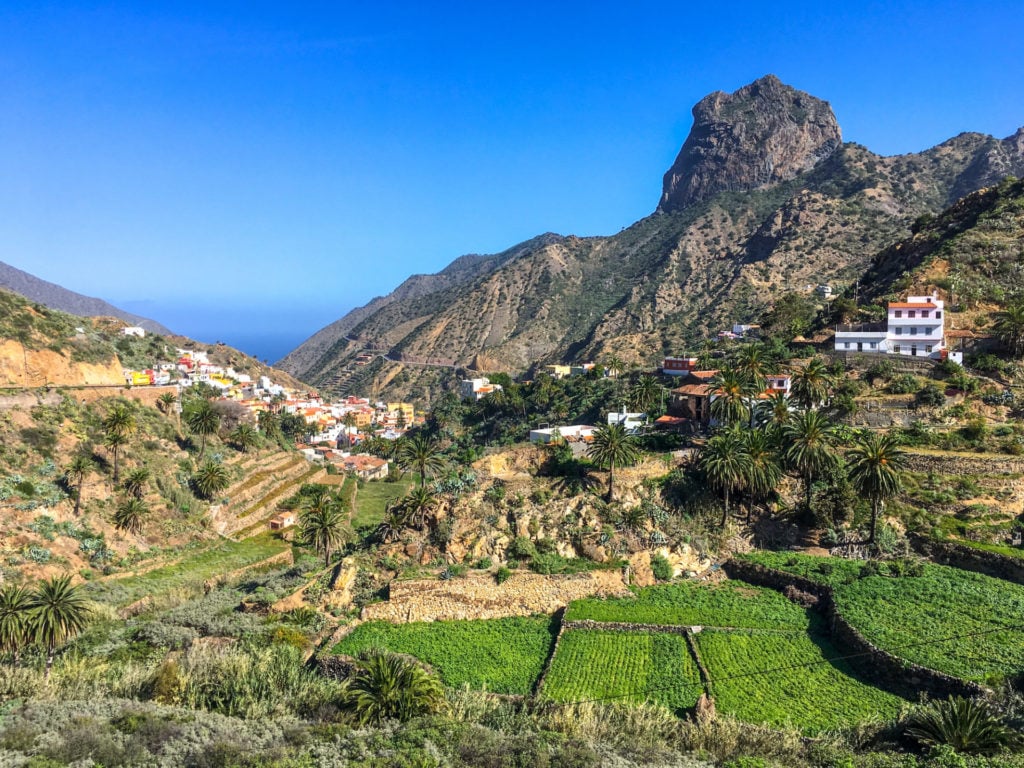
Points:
(915, 327)
(477, 388)
(134, 330)
(631, 422)
(574, 433)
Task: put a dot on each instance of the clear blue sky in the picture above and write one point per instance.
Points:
(222, 165)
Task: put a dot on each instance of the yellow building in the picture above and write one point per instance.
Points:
(406, 409)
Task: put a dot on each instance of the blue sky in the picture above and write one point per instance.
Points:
(260, 168)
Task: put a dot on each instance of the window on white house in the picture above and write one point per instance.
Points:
(912, 313)
(928, 349)
(874, 345)
(846, 345)
(913, 331)
(898, 313)
(938, 314)
(899, 331)
(924, 313)
(896, 348)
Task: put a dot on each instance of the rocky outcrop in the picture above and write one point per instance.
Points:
(21, 367)
(764, 133)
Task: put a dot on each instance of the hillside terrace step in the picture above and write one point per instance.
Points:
(254, 520)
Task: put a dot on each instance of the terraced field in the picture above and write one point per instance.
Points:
(501, 655)
(728, 604)
(623, 666)
(781, 679)
(977, 618)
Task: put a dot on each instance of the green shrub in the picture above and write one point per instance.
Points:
(903, 384)
(930, 396)
(661, 568)
(502, 575)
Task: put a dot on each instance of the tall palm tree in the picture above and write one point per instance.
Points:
(76, 472)
(731, 392)
(322, 525)
(811, 384)
(115, 441)
(210, 479)
(168, 404)
(388, 686)
(59, 612)
(875, 464)
(135, 482)
(1009, 326)
(128, 516)
(269, 424)
(809, 440)
(615, 365)
(202, 420)
(118, 426)
(15, 619)
(646, 393)
(725, 462)
(763, 473)
(613, 447)
(244, 436)
(751, 364)
(421, 453)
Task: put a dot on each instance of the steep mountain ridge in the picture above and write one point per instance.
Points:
(769, 206)
(57, 297)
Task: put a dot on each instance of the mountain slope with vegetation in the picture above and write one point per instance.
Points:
(711, 256)
(57, 297)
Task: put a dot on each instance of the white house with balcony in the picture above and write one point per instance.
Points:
(915, 327)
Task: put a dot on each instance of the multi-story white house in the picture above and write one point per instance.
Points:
(915, 327)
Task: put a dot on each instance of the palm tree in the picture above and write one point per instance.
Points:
(244, 436)
(752, 366)
(811, 384)
(390, 528)
(388, 686)
(15, 619)
(612, 447)
(81, 465)
(725, 462)
(128, 516)
(210, 479)
(763, 473)
(646, 393)
(809, 438)
(775, 412)
(379, 447)
(418, 504)
(731, 392)
(615, 365)
(202, 420)
(421, 453)
(967, 725)
(269, 423)
(59, 612)
(875, 464)
(1009, 326)
(168, 403)
(118, 426)
(115, 441)
(321, 524)
(135, 482)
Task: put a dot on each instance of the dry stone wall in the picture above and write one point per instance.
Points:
(479, 596)
(970, 559)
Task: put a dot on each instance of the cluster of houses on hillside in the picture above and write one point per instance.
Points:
(192, 367)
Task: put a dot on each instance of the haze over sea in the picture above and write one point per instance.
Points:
(268, 332)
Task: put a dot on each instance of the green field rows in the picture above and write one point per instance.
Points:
(501, 655)
(781, 679)
(225, 557)
(728, 604)
(946, 619)
(371, 500)
(623, 666)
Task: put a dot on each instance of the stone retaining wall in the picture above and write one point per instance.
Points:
(479, 596)
(625, 626)
(881, 667)
(970, 559)
(954, 464)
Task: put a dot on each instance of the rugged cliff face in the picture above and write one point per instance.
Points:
(764, 133)
(763, 199)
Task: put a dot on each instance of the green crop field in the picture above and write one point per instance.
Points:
(371, 500)
(757, 681)
(623, 666)
(728, 604)
(909, 615)
(188, 573)
(501, 655)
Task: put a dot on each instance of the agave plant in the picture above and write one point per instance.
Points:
(966, 725)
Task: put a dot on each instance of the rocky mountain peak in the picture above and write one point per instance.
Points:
(762, 134)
